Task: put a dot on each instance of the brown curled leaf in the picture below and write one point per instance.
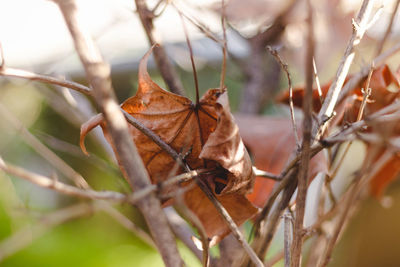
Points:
(208, 138)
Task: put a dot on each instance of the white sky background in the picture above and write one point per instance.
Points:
(33, 31)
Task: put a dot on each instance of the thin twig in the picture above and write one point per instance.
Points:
(284, 66)
(265, 174)
(321, 98)
(66, 189)
(384, 56)
(356, 79)
(224, 46)
(154, 137)
(49, 155)
(267, 229)
(360, 25)
(167, 70)
(298, 231)
(154, 9)
(370, 170)
(203, 28)
(182, 231)
(46, 153)
(63, 146)
(17, 73)
(349, 201)
(366, 95)
(287, 221)
(60, 187)
(388, 29)
(41, 149)
(231, 224)
(196, 81)
(98, 74)
(263, 215)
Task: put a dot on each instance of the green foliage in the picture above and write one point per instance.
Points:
(96, 241)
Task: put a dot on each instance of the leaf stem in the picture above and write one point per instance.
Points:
(196, 82)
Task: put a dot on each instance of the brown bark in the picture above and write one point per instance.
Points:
(98, 74)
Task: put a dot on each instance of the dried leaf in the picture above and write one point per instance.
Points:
(208, 137)
(225, 146)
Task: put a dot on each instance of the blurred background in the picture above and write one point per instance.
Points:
(34, 38)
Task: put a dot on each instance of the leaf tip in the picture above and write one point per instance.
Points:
(86, 128)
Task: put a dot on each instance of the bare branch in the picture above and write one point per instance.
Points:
(317, 81)
(306, 146)
(366, 94)
(203, 28)
(231, 224)
(285, 68)
(60, 187)
(182, 231)
(196, 82)
(66, 189)
(265, 174)
(356, 79)
(154, 137)
(287, 221)
(98, 74)
(265, 226)
(70, 173)
(349, 201)
(17, 73)
(359, 28)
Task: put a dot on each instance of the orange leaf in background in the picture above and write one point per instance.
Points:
(391, 169)
(298, 96)
(389, 172)
(382, 78)
(206, 133)
(385, 89)
(271, 141)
